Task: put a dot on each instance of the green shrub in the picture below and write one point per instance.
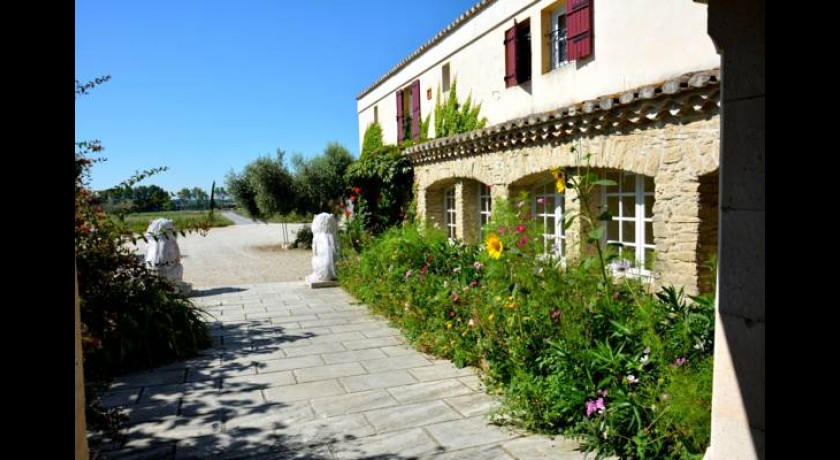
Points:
(381, 185)
(303, 237)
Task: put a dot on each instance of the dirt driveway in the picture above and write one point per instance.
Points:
(241, 254)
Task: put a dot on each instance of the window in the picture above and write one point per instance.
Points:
(444, 77)
(631, 228)
(408, 112)
(549, 207)
(449, 209)
(557, 38)
(376, 114)
(518, 53)
(485, 203)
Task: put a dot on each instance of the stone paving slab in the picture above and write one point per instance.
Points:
(299, 373)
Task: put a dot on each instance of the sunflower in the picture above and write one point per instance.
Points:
(494, 246)
(559, 179)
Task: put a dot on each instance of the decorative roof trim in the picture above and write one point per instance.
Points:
(691, 93)
(452, 27)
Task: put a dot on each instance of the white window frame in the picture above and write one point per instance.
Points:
(450, 214)
(639, 245)
(555, 240)
(485, 207)
(555, 62)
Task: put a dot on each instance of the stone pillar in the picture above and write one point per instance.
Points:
(81, 425)
(499, 191)
(420, 195)
(738, 428)
(574, 234)
(676, 227)
(460, 209)
(470, 205)
(434, 210)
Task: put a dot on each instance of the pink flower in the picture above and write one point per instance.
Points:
(473, 283)
(603, 393)
(478, 265)
(680, 361)
(522, 241)
(408, 273)
(521, 228)
(590, 407)
(541, 200)
(631, 379)
(595, 406)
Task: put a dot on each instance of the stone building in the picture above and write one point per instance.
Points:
(628, 89)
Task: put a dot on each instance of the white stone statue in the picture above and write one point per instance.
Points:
(163, 254)
(324, 251)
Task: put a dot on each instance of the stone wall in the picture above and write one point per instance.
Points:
(675, 154)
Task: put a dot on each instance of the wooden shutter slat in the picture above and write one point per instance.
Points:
(579, 29)
(415, 110)
(400, 118)
(510, 56)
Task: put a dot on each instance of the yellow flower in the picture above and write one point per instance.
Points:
(560, 179)
(510, 303)
(491, 316)
(494, 246)
(449, 324)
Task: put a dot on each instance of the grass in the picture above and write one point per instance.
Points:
(140, 222)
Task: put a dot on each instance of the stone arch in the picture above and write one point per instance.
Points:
(431, 201)
(468, 200)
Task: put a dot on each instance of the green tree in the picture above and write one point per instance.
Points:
(199, 197)
(148, 198)
(264, 188)
(184, 196)
(143, 198)
(319, 181)
(221, 193)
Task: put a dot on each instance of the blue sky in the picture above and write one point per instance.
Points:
(206, 86)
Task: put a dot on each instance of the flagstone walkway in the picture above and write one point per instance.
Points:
(297, 373)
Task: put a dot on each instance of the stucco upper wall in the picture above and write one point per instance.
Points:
(636, 42)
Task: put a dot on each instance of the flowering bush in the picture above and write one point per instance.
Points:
(626, 371)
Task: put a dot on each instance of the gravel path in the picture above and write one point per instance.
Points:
(241, 254)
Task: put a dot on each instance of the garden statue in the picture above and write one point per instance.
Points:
(163, 254)
(324, 251)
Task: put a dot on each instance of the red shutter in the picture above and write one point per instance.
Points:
(415, 110)
(510, 56)
(579, 27)
(400, 119)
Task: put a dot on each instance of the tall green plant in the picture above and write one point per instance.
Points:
(372, 140)
(452, 117)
